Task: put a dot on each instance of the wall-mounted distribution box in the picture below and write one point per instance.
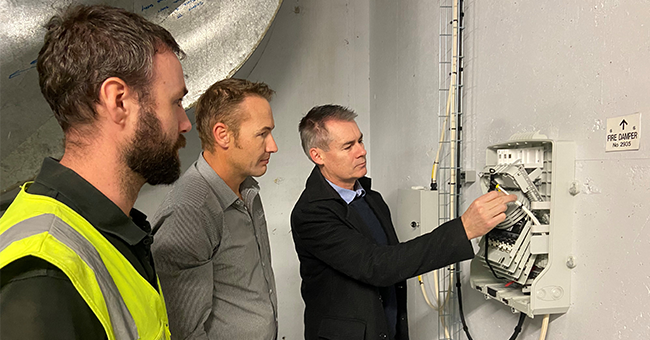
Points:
(525, 261)
(417, 212)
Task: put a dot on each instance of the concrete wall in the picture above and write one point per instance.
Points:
(559, 67)
(404, 112)
(315, 53)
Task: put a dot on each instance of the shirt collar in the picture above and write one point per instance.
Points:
(225, 195)
(68, 187)
(346, 194)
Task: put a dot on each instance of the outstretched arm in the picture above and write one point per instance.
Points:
(320, 232)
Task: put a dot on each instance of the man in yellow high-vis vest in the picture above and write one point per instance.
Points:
(75, 259)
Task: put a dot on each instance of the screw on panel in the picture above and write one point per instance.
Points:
(414, 224)
(574, 189)
(571, 262)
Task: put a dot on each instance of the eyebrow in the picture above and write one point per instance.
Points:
(266, 128)
(183, 92)
(352, 141)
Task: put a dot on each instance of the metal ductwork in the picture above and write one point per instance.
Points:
(217, 36)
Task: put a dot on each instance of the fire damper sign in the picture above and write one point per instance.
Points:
(623, 133)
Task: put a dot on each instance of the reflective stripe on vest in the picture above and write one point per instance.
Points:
(124, 326)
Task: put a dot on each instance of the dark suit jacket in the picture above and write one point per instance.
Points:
(341, 265)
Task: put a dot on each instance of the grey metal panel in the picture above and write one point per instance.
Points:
(218, 37)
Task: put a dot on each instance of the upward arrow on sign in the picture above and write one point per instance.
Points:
(623, 123)
(623, 133)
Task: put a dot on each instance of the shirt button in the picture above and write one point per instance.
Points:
(270, 290)
(383, 336)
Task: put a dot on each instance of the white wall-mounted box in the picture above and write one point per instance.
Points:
(550, 242)
(417, 213)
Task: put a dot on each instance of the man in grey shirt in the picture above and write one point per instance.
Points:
(211, 248)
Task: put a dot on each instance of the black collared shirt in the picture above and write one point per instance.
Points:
(37, 300)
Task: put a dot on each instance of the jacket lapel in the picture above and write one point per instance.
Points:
(383, 216)
(318, 189)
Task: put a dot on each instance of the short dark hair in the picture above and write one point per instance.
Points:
(84, 46)
(218, 104)
(313, 133)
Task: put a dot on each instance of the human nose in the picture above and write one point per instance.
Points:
(363, 151)
(271, 146)
(184, 124)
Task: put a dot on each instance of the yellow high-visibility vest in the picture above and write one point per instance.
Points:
(124, 302)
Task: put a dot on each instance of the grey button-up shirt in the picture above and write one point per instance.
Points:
(213, 258)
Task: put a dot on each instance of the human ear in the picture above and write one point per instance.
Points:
(221, 135)
(116, 100)
(316, 155)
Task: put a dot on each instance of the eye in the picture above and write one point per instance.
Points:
(180, 103)
(348, 147)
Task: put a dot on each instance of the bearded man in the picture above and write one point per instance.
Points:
(75, 256)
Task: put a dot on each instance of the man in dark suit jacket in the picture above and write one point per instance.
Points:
(352, 265)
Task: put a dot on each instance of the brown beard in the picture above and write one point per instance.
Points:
(150, 154)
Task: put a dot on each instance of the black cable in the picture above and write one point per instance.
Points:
(460, 304)
(491, 181)
(487, 239)
(517, 330)
(515, 334)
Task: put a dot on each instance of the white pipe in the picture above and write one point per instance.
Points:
(453, 115)
(542, 332)
(436, 162)
(451, 97)
(440, 305)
